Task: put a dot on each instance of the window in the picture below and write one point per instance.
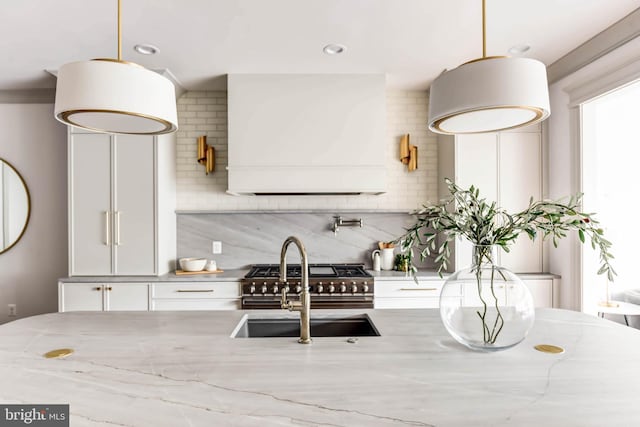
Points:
(611, 186)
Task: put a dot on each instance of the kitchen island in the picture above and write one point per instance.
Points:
(184, 369)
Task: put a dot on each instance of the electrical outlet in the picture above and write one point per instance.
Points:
(12, 310)
(217, 247)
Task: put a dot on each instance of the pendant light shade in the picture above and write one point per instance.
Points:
(488, 95)
(115, 96)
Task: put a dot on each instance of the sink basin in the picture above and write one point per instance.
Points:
(281, 327)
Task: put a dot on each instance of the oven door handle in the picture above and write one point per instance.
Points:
(259, 301)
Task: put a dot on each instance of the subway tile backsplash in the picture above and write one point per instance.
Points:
(205, 113)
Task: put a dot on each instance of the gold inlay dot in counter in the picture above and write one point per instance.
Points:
(548, 348)
(58, 353)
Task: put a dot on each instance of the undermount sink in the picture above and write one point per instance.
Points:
(326, 326)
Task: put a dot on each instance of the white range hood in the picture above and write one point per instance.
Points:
(306, 134)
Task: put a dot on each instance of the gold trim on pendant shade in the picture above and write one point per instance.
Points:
(539, 113)
(168, 127)
(484, 58)
(119, 61)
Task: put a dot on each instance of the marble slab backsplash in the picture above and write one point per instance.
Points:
(257, 237)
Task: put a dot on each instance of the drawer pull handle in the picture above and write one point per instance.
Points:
(418, 289)
(107, 229)
(194, 290)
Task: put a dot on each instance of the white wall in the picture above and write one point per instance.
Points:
(205, 113)
(35, 144)
(563, 149)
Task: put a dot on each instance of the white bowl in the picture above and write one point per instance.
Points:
(192, 264)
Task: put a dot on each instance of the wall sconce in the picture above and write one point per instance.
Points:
(206, 155)
(408, 153)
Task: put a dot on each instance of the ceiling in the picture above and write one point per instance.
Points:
(200, 41)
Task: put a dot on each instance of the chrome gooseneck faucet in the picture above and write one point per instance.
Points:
(304, 305)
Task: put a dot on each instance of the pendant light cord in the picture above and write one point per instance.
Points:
(484, 30)
(120, 32)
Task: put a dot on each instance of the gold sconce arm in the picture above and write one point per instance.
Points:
(408, 153)
(206, 155)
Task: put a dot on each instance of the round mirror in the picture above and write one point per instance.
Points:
(15, 206)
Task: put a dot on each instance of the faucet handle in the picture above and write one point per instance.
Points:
(283, 300)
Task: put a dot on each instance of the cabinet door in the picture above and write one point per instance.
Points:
(520, 174)
(134, 213)
(542, 292)
(90, 204)
(477, 165)
(127, 297)
(80, 297)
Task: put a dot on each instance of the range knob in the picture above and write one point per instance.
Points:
(298, 289)
(332, 289)
(354, 288)
(275, 289)
(252, 289)
(365, 287)
(264, 289)
(343, 288)
(286, 288)
(320, 288)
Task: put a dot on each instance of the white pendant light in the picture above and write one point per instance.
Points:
(115, 96)
(489, 94)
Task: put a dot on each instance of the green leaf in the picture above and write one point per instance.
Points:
(581, 235)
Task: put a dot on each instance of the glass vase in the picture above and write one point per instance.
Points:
(484, 306)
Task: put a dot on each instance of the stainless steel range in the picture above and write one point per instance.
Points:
(330, 285)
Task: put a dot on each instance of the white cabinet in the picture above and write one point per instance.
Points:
(542, 291)
(507, 168)
(103, 296)
(195, 296)
(405, 293)
(121, 204)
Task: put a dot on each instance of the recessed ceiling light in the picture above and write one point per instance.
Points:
(146, 49)
(333, 49)
(519, 49)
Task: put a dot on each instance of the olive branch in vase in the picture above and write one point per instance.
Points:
(466, 215)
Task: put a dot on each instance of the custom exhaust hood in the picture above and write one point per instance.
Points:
(306, 134)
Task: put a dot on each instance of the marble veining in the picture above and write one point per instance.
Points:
(182, 368)
(256, 238)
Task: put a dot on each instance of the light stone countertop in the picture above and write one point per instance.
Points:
(230, 275)
(237, 274)
(183, 369)
(433, 275)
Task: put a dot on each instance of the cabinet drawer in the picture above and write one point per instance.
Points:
(409, 289)
(201, 290)
(195, 304)
(430, 302)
